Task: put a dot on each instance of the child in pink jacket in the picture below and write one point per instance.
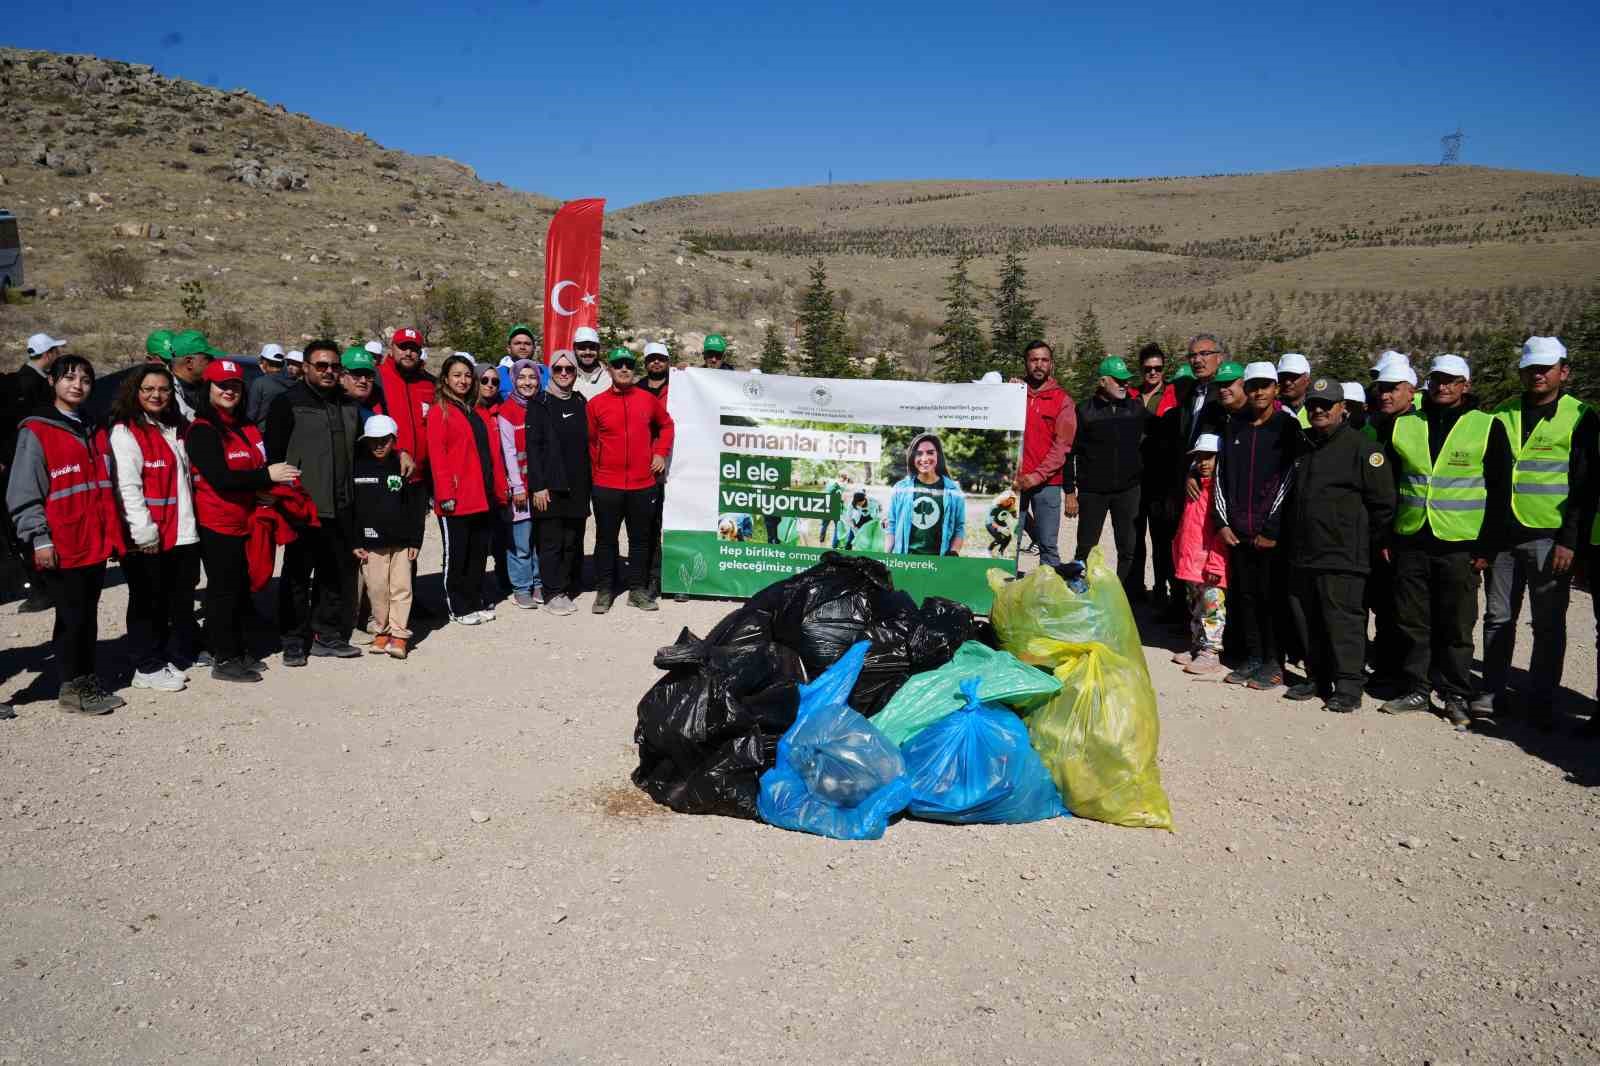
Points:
(1200, 560)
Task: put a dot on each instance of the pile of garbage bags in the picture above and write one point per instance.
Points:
(831, 703)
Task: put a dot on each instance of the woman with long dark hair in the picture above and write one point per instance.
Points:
(927, 509)
(469, 484)
(65, 510)
(230, 468)
(162, 564)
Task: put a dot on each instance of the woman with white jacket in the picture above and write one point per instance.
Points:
(162, 565)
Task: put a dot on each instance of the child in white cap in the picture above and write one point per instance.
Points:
(1200, 561)
(389, 515)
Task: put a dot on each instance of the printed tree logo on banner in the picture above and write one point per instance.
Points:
(690, 574)
(924, 513)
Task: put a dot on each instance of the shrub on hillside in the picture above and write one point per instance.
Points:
(114, 271)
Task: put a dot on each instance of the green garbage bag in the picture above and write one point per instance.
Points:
(1099, 735)
(929, 696)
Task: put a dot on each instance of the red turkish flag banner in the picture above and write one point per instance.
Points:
(572, 272)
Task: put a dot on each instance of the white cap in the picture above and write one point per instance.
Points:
(468, 357)
(1206, 442)
(1387, 357)
(379, 426)
(1453, 365)
(40, 343)
(296, 356)
(1293, 363)
(656, 348)
(1392, 372)
(1353, 392)
(585, 335)
(1261, 372)
(273, 353)
(375, 347)
(1536, 351)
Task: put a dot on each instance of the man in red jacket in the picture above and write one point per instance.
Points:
(407, 395)
(1046, 441)
(630, 438)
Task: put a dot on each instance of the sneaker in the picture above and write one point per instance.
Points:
(486, 615)
(252, 663)
(202, 659)
(294, 654)
(7, 712)
(471, 618)
(180, 673)
(1342, 703)
(361, 638)
(379, 645)
(642, 599)
(560, 605)
(1205, 662)
(1410, 703)
(1243, 675)
(1267, 678)
(680, 597)
(1183, 658)
(603, 598)
(396, 648)
(1306, 690)
(334, 649)
(37, 601)
(234, 670)
(1456, 710)
(527, 601)
(1482, 706)
(162, 680)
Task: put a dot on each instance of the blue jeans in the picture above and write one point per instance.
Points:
(522, 562)
(1041, 517)
(1525, 568)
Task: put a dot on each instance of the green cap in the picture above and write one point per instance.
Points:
(520, 327)
(617, 355)
(1114, 366)
(1225, 373)
(159, 344)
(716, 342)
(1184, 371)
(193, 342)
(357, 358)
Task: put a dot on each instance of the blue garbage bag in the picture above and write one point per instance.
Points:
(977, 765)
(837, 775)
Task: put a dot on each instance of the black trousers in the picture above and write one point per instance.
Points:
(317, 586)
(1384, 656)
(227, 593)
(467, 539)
(1330, 615)
(612, 509)
(1161, 530)
(1251, 600)
(161, 622)
(1435, 608)
(560, 545)
(657, 517)
(1123, 507)
(76, 594)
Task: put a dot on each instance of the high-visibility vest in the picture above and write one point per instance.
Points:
(160, 475)
(227, 511)
(80, 504)
(1539, 476)
(1451, 495)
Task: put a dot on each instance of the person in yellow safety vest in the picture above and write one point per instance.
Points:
(1392, 393)
(1294, 378)
(1448, 459)
(1552, 440)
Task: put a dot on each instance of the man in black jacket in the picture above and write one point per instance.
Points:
(1106, 466)
(315, 427)
(1341, 506)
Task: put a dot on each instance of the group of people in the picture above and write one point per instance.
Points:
(1282, 514)
(203, 462)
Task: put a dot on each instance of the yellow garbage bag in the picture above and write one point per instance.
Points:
(1099, 736)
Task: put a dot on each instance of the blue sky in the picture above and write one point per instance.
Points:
(638, 101)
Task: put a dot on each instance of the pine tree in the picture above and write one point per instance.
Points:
(774, 359)
(1583, 352)
(962, 349)
(817, 326)
(1016, 317)
(883, 368)
(843, 364)
(616, 321)
(1343, 357)
(1083, 358)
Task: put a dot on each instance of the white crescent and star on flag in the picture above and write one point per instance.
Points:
(587, 299)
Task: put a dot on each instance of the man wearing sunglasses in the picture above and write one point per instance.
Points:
(1153, 517)
(407, 391)
(630, 439)
(593, 378)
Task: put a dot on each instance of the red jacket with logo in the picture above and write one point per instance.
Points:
(80, 506)
(625, 430)
(1047, 436)
(408, 401)
(460, 472)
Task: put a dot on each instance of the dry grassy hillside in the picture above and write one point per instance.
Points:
(287, 224)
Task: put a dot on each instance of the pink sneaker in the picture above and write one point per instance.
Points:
(1205, 662)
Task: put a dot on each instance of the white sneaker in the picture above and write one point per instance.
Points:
(486, 615)
(161, 680)
(172, 669)
(471, 619)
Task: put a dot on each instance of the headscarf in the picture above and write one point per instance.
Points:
(563, 356)
(516, 368)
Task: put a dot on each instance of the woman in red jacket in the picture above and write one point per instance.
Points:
(229, 461)
(469, 483)
(64, 507)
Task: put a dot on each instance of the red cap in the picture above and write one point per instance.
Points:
(220, 370)
(406, 336)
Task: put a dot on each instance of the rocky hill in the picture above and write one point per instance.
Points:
(267, 225)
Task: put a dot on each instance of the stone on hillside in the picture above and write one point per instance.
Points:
(67, 163)
(148, 230)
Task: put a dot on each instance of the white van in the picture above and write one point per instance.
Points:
(10, 254)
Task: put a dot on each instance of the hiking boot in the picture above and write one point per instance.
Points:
(560, 605)
(85, 696)
(1306, 690)
(162, 680)
(294, 654)
(396, 648)
(603, 598)
(527, 601)
(379, 645)
(1456, 710)
(1267, 678)
(642, 599)
(234, 670)
(1410, 703)
(1243, 675)
(1203, 663)
(334, 649)
(1342, 703)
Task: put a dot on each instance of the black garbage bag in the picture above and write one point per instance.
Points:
(908, 642)
(822, 612)
(708, 728)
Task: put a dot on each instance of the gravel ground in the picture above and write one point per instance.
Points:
(343, 864)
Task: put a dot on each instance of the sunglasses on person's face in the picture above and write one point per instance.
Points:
(1152, 370)
(623, 364)
(586, 347)
(323, 367)
(1314, 406)
(563, 370)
